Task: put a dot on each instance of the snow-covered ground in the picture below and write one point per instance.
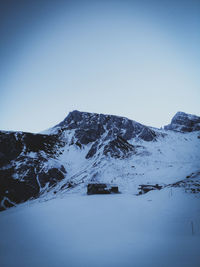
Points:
(64, 227)
(168, 160)
(160, 228)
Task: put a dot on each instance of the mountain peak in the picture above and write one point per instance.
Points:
(184, 122)
(91, 126)
(84, 148)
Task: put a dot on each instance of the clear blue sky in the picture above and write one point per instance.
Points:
(139, 59)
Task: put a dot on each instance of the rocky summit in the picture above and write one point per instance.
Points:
(184, 122)
(89, 147)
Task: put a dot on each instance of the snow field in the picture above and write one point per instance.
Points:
(161, 228)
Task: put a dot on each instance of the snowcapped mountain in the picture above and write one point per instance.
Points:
(89, 147)
(184, 122)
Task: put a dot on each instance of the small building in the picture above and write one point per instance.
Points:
(99, 188)
(144, 188)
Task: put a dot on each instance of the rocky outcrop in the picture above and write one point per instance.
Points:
(89, 127)
(108, 131)
(191, 183)
(118, 148)
(27, 166)
(184, 122)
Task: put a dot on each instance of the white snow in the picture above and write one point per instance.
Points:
(71, 229)
(161, 228)
(168, 160)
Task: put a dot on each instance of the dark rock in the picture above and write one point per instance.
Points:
(10, 146)
(52, 176)
(118, 148)
(16, 190)
(68, 185)
(40, 142)
(78, 144)
(97, 129)
(90, 127)
(147, 134)
(87, 136)
(21, 175)
(191, 185)
(92, 150)
(184, 122)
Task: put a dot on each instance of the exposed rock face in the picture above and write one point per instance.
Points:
(184, 122)
(191, 184)
(89, 127)
(108, 131)
(118, 148)
(29, 163)
(26, 166)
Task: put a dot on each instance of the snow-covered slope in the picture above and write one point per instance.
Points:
(89, 147)
(60, 225)
(165, 161)
(160, 228)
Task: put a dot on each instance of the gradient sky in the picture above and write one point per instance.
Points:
(139, 59)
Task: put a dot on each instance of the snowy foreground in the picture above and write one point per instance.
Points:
(160, 228)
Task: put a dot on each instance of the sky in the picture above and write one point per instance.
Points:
(138, 59)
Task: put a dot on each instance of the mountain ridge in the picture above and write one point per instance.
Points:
(90, 147)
